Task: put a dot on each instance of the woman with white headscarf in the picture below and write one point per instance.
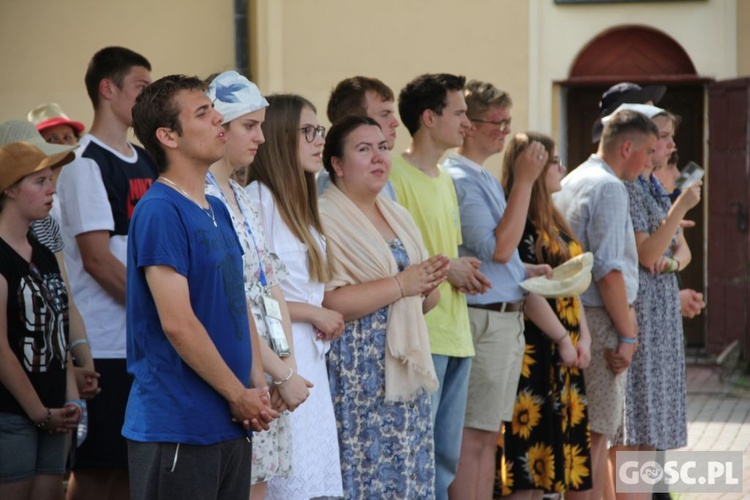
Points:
(244, 108)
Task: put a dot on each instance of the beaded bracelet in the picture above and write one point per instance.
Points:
(628, 340)
(46, 420)
(78, 402)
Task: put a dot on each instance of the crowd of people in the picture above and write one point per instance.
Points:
(252, 306)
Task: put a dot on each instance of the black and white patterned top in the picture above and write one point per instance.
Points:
(47, 232)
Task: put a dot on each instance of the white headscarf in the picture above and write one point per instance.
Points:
(234, 95)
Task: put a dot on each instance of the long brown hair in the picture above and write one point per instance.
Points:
(277, 165)
(543, 214)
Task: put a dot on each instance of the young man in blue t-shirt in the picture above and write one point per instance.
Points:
(188, 333)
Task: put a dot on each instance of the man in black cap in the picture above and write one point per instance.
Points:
(691, 301)
(625, 93)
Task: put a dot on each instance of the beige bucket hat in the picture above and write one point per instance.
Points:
(23, 151)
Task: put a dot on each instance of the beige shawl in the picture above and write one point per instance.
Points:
(361, 255)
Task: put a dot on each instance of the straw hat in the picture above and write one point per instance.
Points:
(23, 151)
(50, 115)
(569, 279)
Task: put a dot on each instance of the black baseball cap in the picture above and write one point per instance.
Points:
(623, 93)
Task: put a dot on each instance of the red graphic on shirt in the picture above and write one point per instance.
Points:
(138, 188)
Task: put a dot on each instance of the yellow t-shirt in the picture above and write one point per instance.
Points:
(433, 204)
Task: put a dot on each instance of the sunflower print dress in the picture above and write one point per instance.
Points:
(548, 442)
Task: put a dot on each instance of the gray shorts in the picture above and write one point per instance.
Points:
(605, 391)
(199, 472)
(499, 344)
(26, 451)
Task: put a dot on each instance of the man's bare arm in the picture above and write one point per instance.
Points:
(99, 262)
(191, 341)
(615, 298)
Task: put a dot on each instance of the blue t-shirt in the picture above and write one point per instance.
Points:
(168, 401)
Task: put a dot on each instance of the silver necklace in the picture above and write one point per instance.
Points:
(409, 157)
(208, 211)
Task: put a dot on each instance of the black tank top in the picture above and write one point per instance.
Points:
(37, 329)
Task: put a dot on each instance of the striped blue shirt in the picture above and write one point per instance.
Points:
(481, 203)
(596, 205)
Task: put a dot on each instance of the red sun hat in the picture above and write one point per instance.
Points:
(51, 114)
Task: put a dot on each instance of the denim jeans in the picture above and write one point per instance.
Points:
(26, 451)
(448, 412)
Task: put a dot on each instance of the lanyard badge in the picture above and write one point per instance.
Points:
(270, 306)
(272, 318)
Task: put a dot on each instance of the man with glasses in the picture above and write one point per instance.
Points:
(491, 230)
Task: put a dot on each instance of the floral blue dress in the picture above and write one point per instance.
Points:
(656, 391)
(386, 448)
(272, 449)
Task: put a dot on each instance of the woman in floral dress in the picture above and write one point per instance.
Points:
(655, 397)
(547, 444)
(243, 108)
(380, 370)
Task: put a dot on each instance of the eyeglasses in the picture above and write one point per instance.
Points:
(556, 162)
(312, 132)
(502, 125)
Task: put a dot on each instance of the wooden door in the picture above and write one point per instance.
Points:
(728, 198)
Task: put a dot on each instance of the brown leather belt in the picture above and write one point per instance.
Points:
(501, 306)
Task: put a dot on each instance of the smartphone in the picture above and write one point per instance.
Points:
(691, 174)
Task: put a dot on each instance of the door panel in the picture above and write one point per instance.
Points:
(728, 195)
(688, 103)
